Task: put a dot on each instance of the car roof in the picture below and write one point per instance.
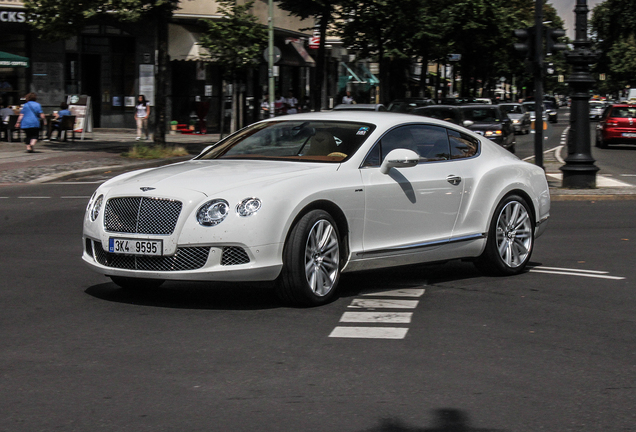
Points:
(382, 119)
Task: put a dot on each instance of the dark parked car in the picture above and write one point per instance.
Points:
(449, 113)
(617, 125)
(492, 122)
(409, 104)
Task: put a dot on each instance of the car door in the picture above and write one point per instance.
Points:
(416, 206)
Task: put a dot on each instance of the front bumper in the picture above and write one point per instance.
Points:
(230, 263)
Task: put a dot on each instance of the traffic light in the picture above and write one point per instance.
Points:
(526, 41)
(552, 40)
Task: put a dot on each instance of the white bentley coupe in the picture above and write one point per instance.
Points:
(300, 199)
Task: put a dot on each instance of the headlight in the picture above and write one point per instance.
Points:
(493, 133)
(248, 207)
(97, 206)
(213, 212)
(515, 121)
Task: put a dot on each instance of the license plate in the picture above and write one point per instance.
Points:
(629, 135)
(135, 246)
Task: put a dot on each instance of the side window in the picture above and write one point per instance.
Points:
(462, 145)
(430, 142)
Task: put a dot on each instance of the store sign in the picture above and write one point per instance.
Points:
(12, 16)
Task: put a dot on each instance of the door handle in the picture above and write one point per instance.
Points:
(454, 180)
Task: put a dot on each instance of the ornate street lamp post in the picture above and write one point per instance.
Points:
(579, 171)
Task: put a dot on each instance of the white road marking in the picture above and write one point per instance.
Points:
(34, 197)
(598, 276)
(384, 304)
(377, 317)
(75, 197)
(406, 292)
(572, 270)
(369, 332)
(601, 181)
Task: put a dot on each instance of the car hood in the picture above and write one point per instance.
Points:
(215, 176)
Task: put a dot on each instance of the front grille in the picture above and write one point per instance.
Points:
(233, 255)
(141, 215)
(187, 258)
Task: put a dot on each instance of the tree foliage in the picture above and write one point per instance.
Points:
(235, 41)
(322, 11)
(61, 19)
(614, 25)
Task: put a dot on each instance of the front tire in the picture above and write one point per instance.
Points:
(311, 261)
(510, 238)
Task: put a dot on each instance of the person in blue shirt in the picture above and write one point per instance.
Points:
(29, 121)
(57, 119)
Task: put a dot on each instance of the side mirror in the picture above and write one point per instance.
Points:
(399, 158)
(468, 123)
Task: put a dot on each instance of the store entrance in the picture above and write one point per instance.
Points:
(91, 84)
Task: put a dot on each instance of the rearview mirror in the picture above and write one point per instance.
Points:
(468, 123)
(399, 158)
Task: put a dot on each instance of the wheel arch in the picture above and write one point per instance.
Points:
(339, 217)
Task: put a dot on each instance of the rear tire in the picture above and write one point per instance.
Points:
(311, 261)
(136, 284)
(510, 238)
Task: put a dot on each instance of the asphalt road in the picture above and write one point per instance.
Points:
(551, 349)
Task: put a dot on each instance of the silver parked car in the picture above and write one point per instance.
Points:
(519, 116)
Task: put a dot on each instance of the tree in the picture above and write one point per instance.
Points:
(383, 30)
(57, 20)
(322, 11)
(614, 25)
(234, 42)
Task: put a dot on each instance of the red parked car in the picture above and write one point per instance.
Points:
(617, 125)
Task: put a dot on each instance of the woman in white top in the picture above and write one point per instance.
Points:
(142, 112)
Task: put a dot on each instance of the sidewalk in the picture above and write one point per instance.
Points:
(101, 152)
(98, 152)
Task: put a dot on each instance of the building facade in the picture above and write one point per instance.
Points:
(113, 62)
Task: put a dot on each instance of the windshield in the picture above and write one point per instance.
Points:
(529, 106)
(512, 109)
(314, 141)
(481, 114)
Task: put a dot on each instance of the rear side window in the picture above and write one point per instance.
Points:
(462, 145)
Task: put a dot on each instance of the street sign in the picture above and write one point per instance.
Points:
(277, 54)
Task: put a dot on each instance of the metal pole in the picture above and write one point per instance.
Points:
(538, 83)
(579, 171)
(270, 57)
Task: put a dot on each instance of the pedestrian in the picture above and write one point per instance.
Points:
(347, 98)
(29, 121)
(279, 105)
(142, 112)
(291, 103)
(57, 119)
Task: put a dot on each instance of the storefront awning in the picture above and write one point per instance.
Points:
(13, 60)
(184, 45)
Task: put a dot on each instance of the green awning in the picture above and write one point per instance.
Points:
(12, 60)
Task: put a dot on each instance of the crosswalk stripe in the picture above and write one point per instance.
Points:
(377, 317)
(405, 292)
(383, 304)
(369, 332)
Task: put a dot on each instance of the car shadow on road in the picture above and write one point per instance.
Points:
(193, 295)
(257, 296)
(419, 275)
(444, 420)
